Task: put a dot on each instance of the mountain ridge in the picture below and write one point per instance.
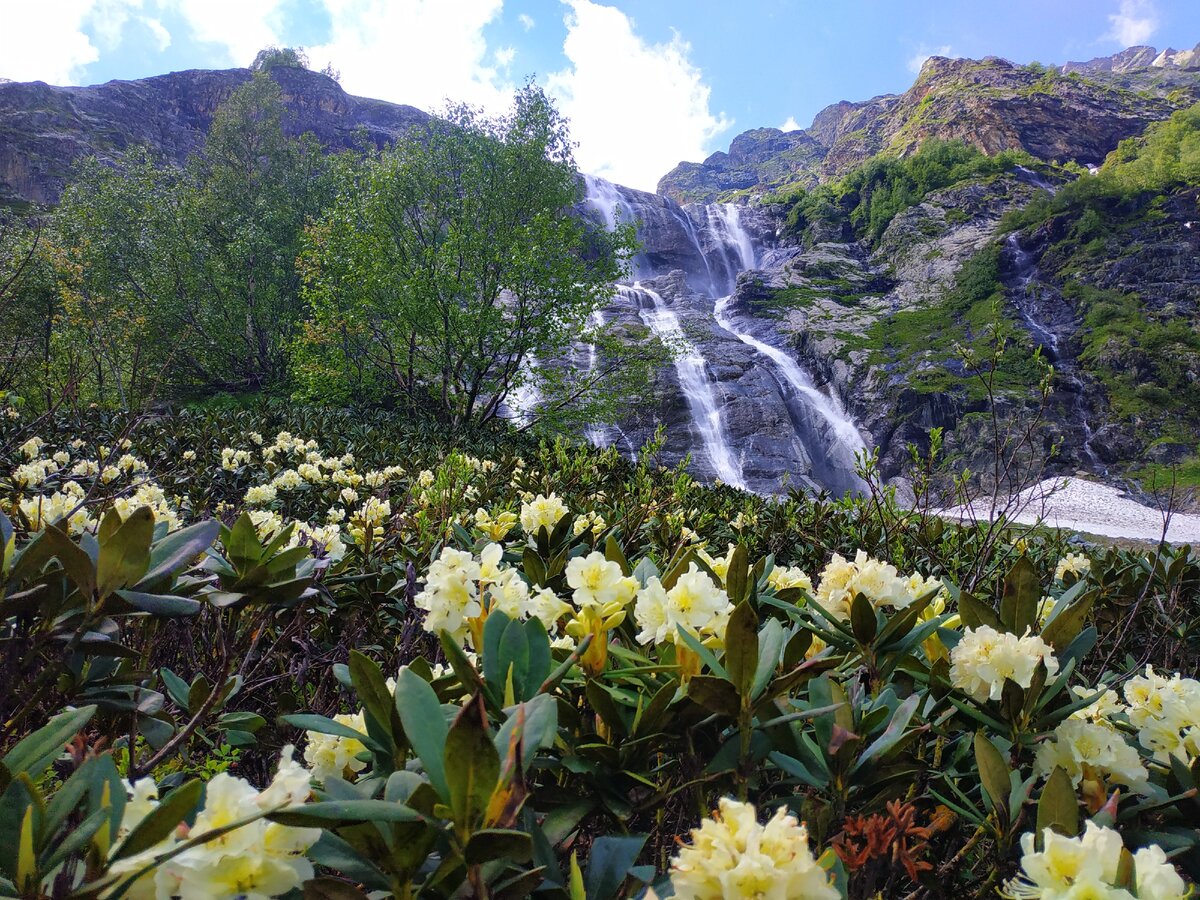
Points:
(45, 129)
(1077, 111)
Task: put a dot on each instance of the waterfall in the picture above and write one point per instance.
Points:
(522, 401)
(1028, 298)
(839, 461)
(1024, 272)
(692, 369)
(596, 434)
(711, 245)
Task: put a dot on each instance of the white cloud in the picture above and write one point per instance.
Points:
(636, 109)
(419, 52)
(504, 56)
(526, 21)
(162, 37)
(1133, 23)
(36, 46)
(790, 125)
(240, 27)
(918, 59)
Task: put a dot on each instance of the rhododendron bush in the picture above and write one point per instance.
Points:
(303, 653)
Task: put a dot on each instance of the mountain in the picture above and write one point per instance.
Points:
(824, 282)
(1079, 112)
(45, 129)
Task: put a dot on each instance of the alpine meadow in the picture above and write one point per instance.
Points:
(393, 506)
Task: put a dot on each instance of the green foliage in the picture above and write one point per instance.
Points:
(870, 196)
(182, 281)
(279, 58)
(537, 764)
(451, 270)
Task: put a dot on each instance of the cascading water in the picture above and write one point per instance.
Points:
(1027, 297)
(756, 397)
(837, 466)
(596, 434)
(691, 368)
(837, 463)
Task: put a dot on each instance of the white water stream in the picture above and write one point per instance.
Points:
(823, 428)
(698, 389)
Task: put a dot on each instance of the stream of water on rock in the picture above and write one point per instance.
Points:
(721, 248)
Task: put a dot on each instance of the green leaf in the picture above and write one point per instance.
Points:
(741, 648)
(508, 844)
(609, 862)
(177, 550)
(894, 731)
(326, 813)
(975, 613)
(472, 766)
(1058, 807)
(372, 690)
(125, 554)
(862, 619)
(424, 726)
(336, 853)
(993, 772)
(161, 821)
(164, 605)
(613, 553)
(1068, 623)
(714, 694)
(33, 754)
(75, 561)
(1022, 593)
(737, 576)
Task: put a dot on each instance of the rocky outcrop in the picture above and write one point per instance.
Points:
(1134, 58)
(1079, 114)
(45, 129)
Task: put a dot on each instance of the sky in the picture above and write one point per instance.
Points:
(645, 83)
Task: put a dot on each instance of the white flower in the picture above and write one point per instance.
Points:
(32, 447)
(288, 480)
(842, 580)
(542, 512)
(1078, 744)
(984, 658)
(451, 594)
(1072, 564)
(595, 580)
(732, 856)
(1166, 712)
(694, 603)
(1087, 866)
(330, 755)
(260, 494)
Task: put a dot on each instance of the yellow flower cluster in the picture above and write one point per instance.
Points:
(693, 603)
(880, 582)
(495, 528)
(1088, 866)
(1072, 564)
(984, 659)
(732, 855)
(1088, 748)
(334, 756)
(260, 859)
(1166, 713)
(542, 512)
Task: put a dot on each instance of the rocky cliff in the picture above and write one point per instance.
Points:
(1079, 112)
(45, 129)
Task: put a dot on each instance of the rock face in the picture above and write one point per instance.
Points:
(1077, 113)
(45, 129)
(733, 400)
(1140, 57)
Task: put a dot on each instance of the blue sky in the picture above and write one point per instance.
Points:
(645, 83)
